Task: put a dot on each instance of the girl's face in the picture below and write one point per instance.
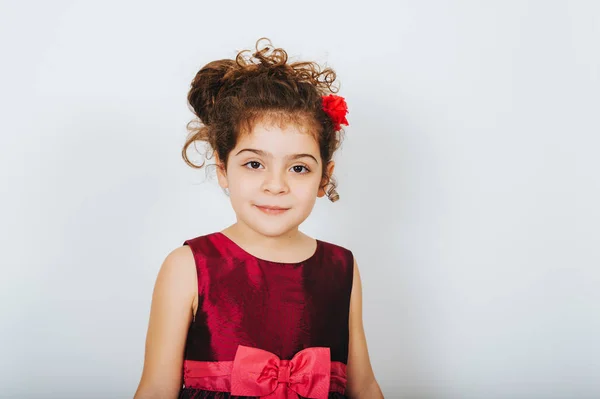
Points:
(273, 176)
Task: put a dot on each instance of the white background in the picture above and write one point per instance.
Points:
(468, 180)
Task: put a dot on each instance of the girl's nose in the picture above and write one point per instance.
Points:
(275, 183)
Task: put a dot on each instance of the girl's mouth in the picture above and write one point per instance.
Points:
(272, 210)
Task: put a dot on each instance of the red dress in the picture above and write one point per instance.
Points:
(267, 329)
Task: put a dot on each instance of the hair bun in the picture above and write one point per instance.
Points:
(205, 87)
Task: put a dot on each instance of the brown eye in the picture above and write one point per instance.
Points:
(253, 164)
(298, 169)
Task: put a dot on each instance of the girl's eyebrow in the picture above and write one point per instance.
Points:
(269, 155)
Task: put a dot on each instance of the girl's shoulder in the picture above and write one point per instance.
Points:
(216, 246)
(206, 245)
(336, 249)
(177, 273)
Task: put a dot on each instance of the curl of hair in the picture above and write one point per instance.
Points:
(230, 96)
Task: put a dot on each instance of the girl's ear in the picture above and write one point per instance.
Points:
(325, 181)
(221, 172)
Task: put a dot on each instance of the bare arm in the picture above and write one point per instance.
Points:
(361, 379)
(170, 317)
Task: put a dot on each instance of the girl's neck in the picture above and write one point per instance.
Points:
(289, 247)
(243, 234)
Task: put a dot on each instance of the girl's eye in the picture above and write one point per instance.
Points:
(298, 169)
(253, 164)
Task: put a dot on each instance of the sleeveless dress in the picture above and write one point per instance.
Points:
(266, 329)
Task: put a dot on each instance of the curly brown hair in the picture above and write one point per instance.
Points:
(230, 96)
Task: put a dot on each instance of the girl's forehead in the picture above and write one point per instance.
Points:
(279, 137)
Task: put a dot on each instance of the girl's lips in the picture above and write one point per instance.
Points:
(271, 210)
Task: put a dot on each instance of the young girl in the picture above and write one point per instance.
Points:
(260, 309)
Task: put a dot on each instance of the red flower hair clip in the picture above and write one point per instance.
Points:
(336, 108)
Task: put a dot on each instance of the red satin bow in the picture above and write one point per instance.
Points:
(257, 372)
